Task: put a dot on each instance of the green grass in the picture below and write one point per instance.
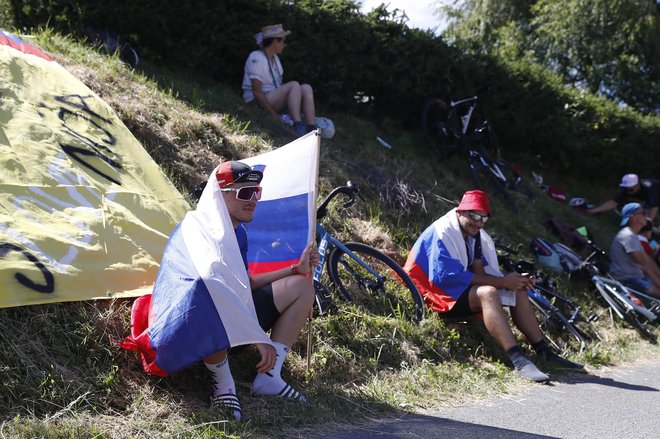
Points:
(64, 376)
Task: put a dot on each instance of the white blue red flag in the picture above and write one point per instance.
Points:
(285, 217)
(201, 302)
(438, 262)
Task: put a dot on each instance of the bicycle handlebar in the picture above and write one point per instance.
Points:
(350, 190)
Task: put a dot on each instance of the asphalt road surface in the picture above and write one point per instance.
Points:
(621, 402)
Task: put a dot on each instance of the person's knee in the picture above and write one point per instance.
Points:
(488, 294)
(293, 85)
(307, 90)
(304, 289)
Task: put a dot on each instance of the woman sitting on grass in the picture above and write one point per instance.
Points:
(263, 82)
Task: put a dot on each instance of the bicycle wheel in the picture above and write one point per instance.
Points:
(394, 294)
(587, 329)
(324, 302)
(516, 181)
(556, 327)
(624, 310)
(644, 331)
(436, 131)
(484, 179)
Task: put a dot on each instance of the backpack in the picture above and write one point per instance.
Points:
(568, 258)
(546, 254)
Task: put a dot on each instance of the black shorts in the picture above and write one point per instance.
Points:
(462, 306)
(267, 312)
(264, 304)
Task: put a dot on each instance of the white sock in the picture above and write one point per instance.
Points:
(224, 389)
(271, 382)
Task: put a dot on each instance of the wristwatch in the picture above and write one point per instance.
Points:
(295, 269)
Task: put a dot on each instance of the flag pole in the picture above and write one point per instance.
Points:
(309, 342)
(311, 237)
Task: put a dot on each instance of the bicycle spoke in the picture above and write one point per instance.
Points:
(391, 293)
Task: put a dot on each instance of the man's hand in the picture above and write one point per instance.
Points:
(518, 282)
(309, 259)
(268, 356)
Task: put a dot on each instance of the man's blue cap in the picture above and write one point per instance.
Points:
(628, 211)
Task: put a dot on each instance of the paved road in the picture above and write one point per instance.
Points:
(622, 402)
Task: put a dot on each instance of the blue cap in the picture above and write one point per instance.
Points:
(628, 211)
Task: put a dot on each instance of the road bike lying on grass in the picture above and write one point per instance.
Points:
(561, 320)
(362, 274)
(462, 126)
(634, 307)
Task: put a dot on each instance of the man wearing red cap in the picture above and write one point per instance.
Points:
(455, 267)
(282, 298)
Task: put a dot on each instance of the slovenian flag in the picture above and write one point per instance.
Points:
(201, 302)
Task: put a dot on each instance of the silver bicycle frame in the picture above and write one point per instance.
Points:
(608, 286)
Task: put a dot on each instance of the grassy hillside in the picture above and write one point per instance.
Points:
(63, 375)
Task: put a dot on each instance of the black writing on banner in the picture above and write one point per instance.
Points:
(74, 113)
(47, 287)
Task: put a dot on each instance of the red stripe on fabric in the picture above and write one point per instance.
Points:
(23, 47)
(434, 296)
(139, 341)
(267, 267)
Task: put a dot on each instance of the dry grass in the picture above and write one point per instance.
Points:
(63, 375)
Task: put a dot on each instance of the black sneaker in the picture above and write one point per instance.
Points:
(556, 360)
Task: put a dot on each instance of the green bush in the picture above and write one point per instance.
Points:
(375, 66)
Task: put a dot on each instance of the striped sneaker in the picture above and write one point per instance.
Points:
(226, 401)
(287, 392)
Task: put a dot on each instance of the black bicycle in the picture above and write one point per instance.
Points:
(363, 275)
(461, 125)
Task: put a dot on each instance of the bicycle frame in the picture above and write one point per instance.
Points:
(467, 117)
(491, 165)
(613, 290)
(654, 301)
(325, 243)
(575, 309)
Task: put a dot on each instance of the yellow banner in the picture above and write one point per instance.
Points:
(85, 213)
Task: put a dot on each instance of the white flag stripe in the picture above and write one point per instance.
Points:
(211, 242)
(288, 172)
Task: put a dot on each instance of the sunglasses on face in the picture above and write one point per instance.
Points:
(478, 217)
(244, 193)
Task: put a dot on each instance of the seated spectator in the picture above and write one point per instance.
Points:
(263, 82)
(646, 190)
(455, 267)
(630, 263)
(644, 236)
